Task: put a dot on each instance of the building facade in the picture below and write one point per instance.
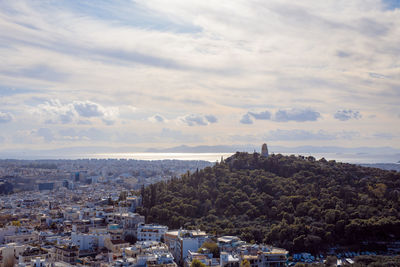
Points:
(151, 232)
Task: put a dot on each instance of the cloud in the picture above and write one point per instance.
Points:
(40, 72)
(377, 75)
(157, 118)
(264, 115)
(46, 134)
(386, 136)
(282, 115)
(107, 55)
(197, 120)
(211, 118)
(11, 90)
(297, 134)
(88, 109)
(372, 27)
(299, 115)
(342, 54)
(305, 135)
(5, 117)
(177, 136)
(344, 115)
(54, 111)
(246, 119)
(92, 134)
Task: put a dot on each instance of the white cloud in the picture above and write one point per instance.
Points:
(282, 115)
(157, 118)
(344, 115)
(300, 115)
(197, 120)
(88, 109)
(258, 58)
(46, 134)
(263, 115)
(246, 119)
(211, 118)
(5, 117)
(80, 112)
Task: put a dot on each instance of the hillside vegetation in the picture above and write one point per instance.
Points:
(294, 202)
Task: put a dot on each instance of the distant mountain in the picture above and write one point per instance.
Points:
(384, 166)
(204, 149)
(298, 203)
(277, 149)
(343, 154)
(354, 155)
(65, 152)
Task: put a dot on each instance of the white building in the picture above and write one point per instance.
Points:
(151, 253)
(9, 230)
(89, 241)
(9, 253)
(151, 232)
(18, 235)
(181, 241)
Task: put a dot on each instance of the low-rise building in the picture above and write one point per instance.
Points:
(9, 253)
(229, 260)
(22, 236)
(32, 253)
(151, 232)
(150, 254)
(116, 245)
(181, 241)
(229, 243)
(262, 255)
(206, 259)
(68, 254)
(91, 241)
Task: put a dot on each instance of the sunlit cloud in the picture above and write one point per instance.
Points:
(157, 118)
(5, 117)
(246, 119)
(197, 120)
(155, 72)
(300, 115)
(344, 115)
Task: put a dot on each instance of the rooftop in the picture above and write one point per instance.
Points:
(118, 242)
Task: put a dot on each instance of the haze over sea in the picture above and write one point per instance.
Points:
(212, 157)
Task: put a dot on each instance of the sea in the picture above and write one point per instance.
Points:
(213, 157)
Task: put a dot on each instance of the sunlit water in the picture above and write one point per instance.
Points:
(213, 157)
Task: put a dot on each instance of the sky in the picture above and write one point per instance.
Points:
(154, 73)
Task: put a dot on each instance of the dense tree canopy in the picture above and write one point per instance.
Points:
(291, 201)
(197, 263)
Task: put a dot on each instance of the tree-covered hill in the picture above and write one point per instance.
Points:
(294, 202)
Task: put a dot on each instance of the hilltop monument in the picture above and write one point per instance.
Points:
(264, 150)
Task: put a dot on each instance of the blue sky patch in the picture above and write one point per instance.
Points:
(391, 4)
(6, 90)
(126, 13)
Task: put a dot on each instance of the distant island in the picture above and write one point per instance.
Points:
(384, 166)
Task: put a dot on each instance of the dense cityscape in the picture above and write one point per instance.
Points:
(25, 175)
(84, 213)
(133, 133)
(87, 217)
